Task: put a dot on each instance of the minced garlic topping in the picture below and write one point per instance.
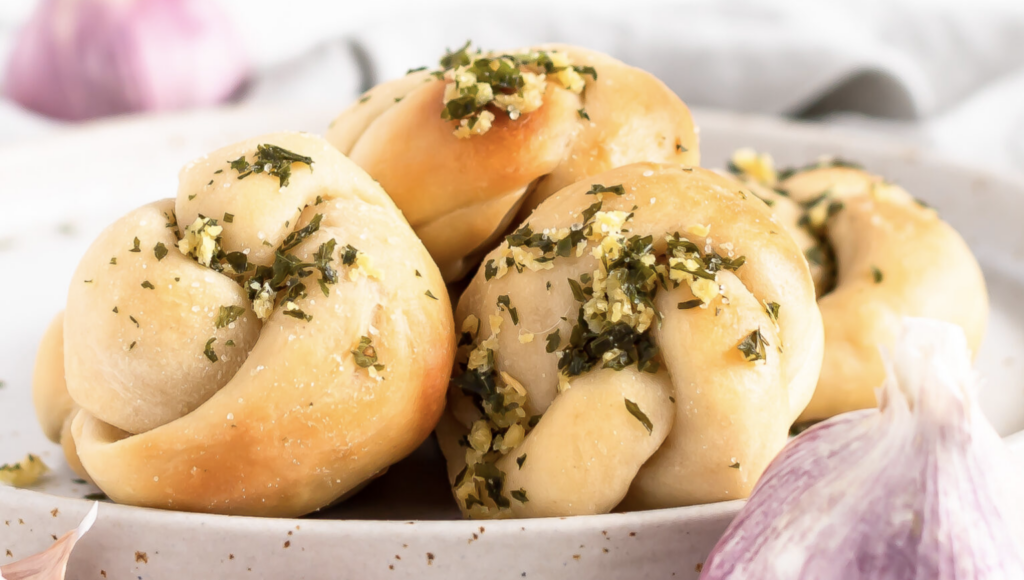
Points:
(201, 240)
(610, 303)
(513, 83)
(23, 473)
(501, 427)
(364, 268)
(757, 166)
(263, 304)
(684, 264)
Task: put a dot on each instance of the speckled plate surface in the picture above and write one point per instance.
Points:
(56, 194)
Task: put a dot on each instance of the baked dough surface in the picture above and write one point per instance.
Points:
(183, 410)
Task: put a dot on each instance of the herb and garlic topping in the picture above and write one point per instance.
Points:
(477, 84)
(502, 424)
(814, 213)
(612, 329)
(23, 473)
(272, 160)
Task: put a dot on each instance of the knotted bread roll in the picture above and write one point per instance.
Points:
(876, 255)
(261, 345)
(648, 334)
(466, 149)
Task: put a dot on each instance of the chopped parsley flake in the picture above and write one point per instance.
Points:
(228, 314)
(753, 346)
(147, 285)
(597, 188)
(135, 246)
(160, 251)
(209, 352)
(634, 410)
(229, 218)
(295, 238)
(430, 295)
(272, 160)
(366, 354)
(877, 275)
(554, 340)
(520, 495)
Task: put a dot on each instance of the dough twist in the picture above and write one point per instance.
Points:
(261, 345)
(876, 255)
(648, 334)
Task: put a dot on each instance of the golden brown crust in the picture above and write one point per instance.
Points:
(285, 421)
(726, 410)
(460, 194)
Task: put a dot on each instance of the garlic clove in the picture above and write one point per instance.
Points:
(52, 563)
(921, 487)
(82, 59)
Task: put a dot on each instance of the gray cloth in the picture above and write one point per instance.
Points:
(945, 74)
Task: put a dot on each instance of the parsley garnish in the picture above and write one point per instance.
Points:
(272, 160)
(877, 275)
(577, 291)
(348, 257)
(147, 285)
(135, 246)
(634, 410)
(208, 351)
(429, 295)
(553, 341)
(690, 304)
(228, 314)
(506, 303)
(583, 114)
(296, 237)
(160, 251)
(521, 460)
(520, 495)
(229, 218)
(753, 346)
(598, 188)
(366, 355)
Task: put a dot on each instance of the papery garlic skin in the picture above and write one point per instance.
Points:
(921, 488)
(81, 59)
(51, 564)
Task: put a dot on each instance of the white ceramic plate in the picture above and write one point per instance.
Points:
(56, 194)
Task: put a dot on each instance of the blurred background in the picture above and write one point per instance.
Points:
(947, 75)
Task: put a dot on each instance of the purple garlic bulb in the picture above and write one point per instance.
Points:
(920, 488)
